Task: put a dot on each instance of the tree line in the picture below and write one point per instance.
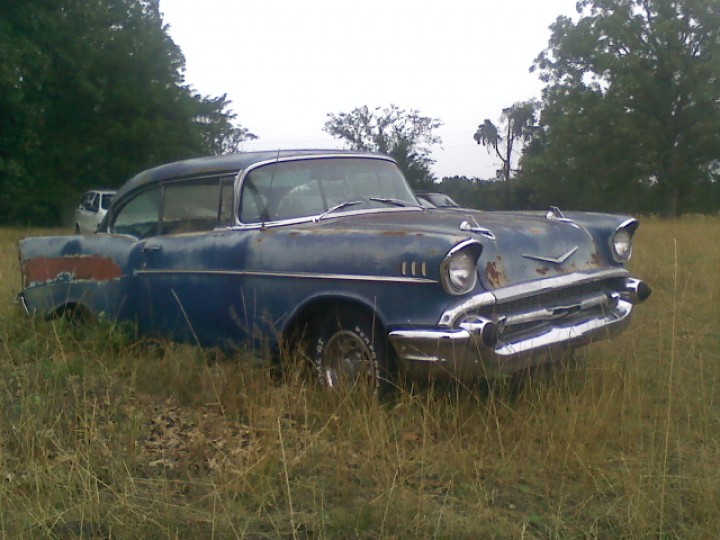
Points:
(629, 119)
(93, 91)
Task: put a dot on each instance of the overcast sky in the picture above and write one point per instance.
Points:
(286, 64)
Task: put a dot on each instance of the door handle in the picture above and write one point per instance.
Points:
(152, 249)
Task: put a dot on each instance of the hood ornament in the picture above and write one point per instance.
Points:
(555, 214)
(471, 225)
(555, 260)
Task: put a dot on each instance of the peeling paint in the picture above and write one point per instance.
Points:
(41, 270)
(495, 275)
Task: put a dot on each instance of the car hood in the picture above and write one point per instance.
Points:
(517, 246)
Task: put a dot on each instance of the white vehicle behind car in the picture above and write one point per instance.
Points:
(90, 212)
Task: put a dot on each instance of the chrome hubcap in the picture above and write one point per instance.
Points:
(347, 358)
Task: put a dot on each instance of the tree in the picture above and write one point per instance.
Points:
(518, 123)
(404, 135)
(632, 104)
(91, 92)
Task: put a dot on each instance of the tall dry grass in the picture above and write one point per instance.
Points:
(104, 436)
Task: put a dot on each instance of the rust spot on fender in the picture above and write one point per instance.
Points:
(542, 270)
(495, 275)
(595, 259)
(394, 233)
(90, 267)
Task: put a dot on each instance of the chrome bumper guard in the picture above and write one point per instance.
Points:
(467, 345)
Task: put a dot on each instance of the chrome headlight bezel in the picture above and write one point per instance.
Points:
(620, 240)
(458, 270)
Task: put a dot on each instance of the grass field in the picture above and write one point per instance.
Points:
(105, 436)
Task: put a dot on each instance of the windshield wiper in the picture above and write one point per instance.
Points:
(336, 208)
(396, 202)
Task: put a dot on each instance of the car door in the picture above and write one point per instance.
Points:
(87, 212)
(190, 272)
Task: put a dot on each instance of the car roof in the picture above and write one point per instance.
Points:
(227, 163)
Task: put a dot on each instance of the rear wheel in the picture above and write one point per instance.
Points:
(349, 347)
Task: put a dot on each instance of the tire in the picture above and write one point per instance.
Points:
(349, 347)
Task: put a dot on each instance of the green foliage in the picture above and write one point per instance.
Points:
(405, 135)
(92, 92)
(631, 112)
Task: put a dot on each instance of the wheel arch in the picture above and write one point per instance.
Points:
(313, 308)
(72, 310)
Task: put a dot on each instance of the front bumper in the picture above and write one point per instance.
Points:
(466, 345)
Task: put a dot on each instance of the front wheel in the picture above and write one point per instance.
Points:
(349, 347)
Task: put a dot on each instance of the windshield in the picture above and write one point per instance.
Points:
(312, 187)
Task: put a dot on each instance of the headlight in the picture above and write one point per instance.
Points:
(621, 240)
(458, 271)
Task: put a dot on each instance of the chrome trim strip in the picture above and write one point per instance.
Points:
(627, 223)
(559, 260)
(431, 335)
(513, 292)
(548, 314)
(20, 299)
(295, 275)
(460, 246)
(313, 218)
(576, 278)
(565, 334)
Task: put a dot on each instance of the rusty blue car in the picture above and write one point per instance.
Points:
(329, 254)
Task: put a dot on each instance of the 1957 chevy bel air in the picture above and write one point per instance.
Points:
(333, 247)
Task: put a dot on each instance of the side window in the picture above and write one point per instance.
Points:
(190, 207)
(140, 216)
(227, 201)
(94, 203)
(106, 200)
(85, 200)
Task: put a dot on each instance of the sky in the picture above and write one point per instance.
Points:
(286, 64)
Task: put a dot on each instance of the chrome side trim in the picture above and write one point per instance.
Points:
(20, 299)
(294, 275)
